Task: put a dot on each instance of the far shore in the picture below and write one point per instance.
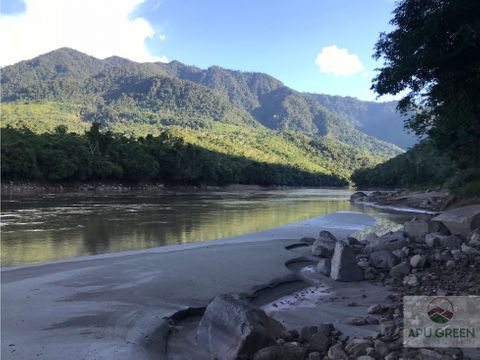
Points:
(27, 188)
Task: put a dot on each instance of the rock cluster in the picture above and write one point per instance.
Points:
(338, 259)
(410, 262)
(432, 200)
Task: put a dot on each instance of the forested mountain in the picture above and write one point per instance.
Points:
(377, 119)
(251, 115)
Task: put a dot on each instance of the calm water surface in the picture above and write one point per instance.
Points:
(47, 228)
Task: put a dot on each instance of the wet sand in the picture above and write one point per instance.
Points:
(116, 306)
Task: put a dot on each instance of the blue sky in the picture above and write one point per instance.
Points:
(281, 38)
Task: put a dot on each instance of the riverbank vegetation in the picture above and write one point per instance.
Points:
(103, 156)
(432, 55)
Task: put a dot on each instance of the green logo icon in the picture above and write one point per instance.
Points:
(440, 310)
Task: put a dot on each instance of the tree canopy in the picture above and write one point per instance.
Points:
(433, 53)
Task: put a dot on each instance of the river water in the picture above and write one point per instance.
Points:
(53, 227)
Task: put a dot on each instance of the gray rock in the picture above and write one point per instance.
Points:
(383, 259)
(474, 235)
(410, 280)
(306, 332)
(307, 240)
(353, 241)
(344, 264)
(324, 245)
(457, 254)
(365, 357)
(314, 356)
(438, 227)
(280, 353)
(375, 309)
(450, 264)
(336, 352)
(327, 328)
(371, 237)
(416, 229)
(230, 328)
(451, 241)
(319, 342)
(392, 356)
(324, 266)
(400, 270)
(357, 321)
(402, 253)
(364, 264)
(388, 328)
(428, 354)
(434, 239)
(470, 250)
(461, 220)
(358, 347)
(381, 348)
(358, 196)
(388, 242)
(417, 261)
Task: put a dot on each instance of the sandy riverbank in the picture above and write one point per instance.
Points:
(118, 305)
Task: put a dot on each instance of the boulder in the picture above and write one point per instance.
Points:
(381, 348)
(383, 259)
(417, 261)
(324, 245)
(410, 280)
(358, 347)
(470, 250)
(474, 235)
(451, 241)
(402, 253)
(438, 227)
(389, 242)
(319, 342)
(358, 196)
(344, 264)
(306, 332)
(231, 328)
(324, 266)
(357, 321)
(434, 239)
(400, 270)
(314, 356)
(336, 352)
(416, 229)
(371, 237)
(388, 328)
(461, 220)
(375, 309)
(280, 353)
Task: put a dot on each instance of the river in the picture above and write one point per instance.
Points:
(53, 227)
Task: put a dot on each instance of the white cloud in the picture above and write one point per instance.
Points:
(162, 37)
(333, 60)
(100, 28)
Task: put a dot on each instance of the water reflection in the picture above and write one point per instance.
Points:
(58, 227)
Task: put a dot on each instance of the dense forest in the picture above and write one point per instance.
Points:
(241, 115)
(432, 56)
(167, 159)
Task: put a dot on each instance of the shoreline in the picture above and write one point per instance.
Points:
(21, 189)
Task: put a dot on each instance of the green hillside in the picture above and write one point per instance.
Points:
(248, 115)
